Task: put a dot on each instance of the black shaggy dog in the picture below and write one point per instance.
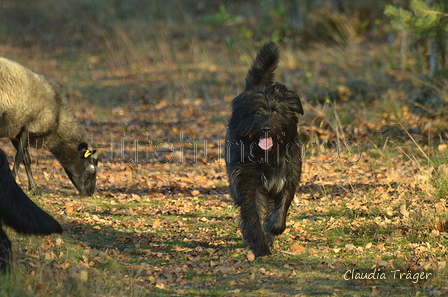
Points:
(19, 212)
(263, 152)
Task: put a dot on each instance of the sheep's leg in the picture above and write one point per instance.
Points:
(19, 155)
(27, 163)
(23, 155)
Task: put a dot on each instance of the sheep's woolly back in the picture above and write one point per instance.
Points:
(26, 98)
(33, 100)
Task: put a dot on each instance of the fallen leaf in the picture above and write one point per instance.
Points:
(434, 233)
(350, 247)
(439, 226)
(375, 291)
(156, 223)
(297, 248)
(403, 210)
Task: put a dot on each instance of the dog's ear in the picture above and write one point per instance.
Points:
(261, 74)
(293, 101)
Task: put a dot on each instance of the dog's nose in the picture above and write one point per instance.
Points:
(265, 129)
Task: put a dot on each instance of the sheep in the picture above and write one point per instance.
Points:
(19, 212)
(34, 111)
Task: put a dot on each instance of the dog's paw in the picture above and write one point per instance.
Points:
(270, 238)
(261, 251)
(275, 227)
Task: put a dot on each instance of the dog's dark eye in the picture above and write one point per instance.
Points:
(257, 112)
(274, 112)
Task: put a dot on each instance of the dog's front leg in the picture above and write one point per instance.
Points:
(251, 222)
(277, 221)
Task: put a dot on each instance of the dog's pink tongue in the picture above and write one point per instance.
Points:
(265, 143)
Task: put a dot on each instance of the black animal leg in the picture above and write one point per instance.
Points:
(5, 251)
(251, 225)
(277, 221)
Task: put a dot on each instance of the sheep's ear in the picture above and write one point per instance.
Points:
(83, 146)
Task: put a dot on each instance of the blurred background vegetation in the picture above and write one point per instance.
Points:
(302, 23)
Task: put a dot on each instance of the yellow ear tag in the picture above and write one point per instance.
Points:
(87, 154)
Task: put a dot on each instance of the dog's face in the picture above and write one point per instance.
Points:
(264, 118)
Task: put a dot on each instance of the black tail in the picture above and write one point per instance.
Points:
(261, 74)
(17, 210)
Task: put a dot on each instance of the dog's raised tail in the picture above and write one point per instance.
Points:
(261, 74)
(17, 210)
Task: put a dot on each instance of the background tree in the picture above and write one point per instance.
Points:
(428, 19)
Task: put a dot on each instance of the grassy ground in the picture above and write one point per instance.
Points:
(369, 216)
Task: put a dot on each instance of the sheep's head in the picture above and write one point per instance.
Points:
(82, 172)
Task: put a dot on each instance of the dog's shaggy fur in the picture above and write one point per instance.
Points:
(19, 212)
(263, 152)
